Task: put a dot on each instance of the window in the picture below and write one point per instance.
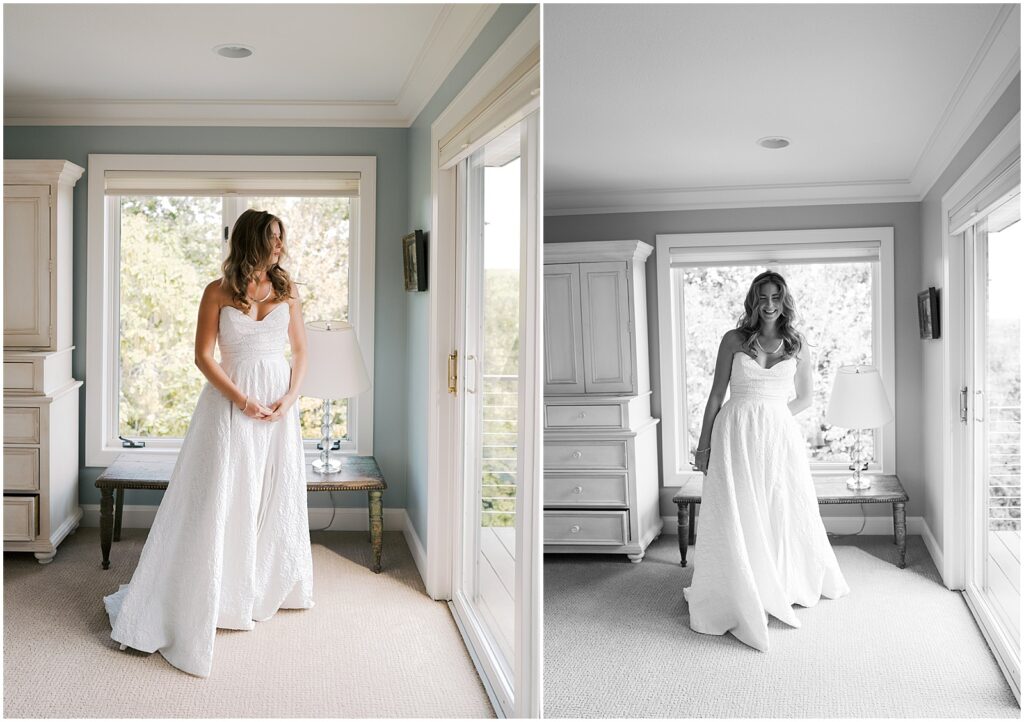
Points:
(161, 235)
(839, 280)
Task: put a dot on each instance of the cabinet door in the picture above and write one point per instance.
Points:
(608, 366)
(563, 330)
(27, 265)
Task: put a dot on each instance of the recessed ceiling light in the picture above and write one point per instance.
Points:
(234, 50)
(774, 142)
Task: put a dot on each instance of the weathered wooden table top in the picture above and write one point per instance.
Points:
(829, 489)
(358, 473)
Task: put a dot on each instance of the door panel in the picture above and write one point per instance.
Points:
(563, 330)
(27, 265)
(606, 348)
(995, 253)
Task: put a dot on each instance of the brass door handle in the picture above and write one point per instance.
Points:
(453, 372)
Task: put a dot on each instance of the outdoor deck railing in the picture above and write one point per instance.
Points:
(1004, 468)
(500, 441)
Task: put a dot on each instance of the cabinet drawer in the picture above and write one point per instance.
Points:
(20, 518)
(586, 490)
(19, 376)
(586, 527)
(609, 454)
(21, 469)
(21, 424)
(583, 416)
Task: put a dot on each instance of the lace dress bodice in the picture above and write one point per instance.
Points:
(749, 381)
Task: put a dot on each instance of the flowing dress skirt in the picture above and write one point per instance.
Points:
(761, 545)
(230, 541)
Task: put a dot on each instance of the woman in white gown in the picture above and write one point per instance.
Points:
(761, 545)
(230, 541)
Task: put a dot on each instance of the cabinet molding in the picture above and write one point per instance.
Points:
(40, 397)
(600, 446)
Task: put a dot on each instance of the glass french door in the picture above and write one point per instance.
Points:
(494, 184)
(994, 256)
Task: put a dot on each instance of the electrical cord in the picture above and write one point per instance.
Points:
(334, 510)
(863, 523)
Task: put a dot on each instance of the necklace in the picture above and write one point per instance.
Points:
(264, 298)
(757, 342)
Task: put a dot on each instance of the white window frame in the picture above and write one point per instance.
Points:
(754, 245)
(102, 444)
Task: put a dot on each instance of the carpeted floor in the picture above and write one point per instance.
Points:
(373, 646)
(617, 643)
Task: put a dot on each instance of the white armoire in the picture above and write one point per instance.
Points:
(600, 447)
(40, 396)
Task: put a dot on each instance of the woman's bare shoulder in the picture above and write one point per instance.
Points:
(733, 340)
(217, 292)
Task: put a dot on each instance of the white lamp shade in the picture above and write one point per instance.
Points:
(858, 399)
(334, 363)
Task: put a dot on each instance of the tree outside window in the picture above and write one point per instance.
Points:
(171, 247)
(834, 303)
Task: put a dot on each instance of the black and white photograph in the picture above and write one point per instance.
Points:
(764, 496)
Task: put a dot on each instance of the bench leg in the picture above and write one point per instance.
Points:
(106, 524)
(118, 510)
(692, 538)
(683, 521)
(899, 524)
(376, 527)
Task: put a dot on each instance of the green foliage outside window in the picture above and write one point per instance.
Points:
(171, 247)
(834, 304)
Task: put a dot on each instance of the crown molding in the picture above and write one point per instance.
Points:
(685, 199)
(455, 30)
(990, 73)
(449, 37)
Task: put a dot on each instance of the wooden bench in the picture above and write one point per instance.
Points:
(830, 490)
(358, 473)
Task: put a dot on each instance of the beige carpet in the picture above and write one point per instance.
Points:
(373, 646)
(617, 643)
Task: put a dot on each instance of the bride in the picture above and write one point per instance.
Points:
(762, 546)
(229, 545)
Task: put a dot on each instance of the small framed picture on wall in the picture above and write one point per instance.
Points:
(414, 255)
(928, 313)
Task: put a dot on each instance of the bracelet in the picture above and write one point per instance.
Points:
(245, 404)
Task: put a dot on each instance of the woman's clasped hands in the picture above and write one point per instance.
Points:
(254, 409)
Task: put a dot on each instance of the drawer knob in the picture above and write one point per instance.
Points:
(577, 490)
(581, 415)
(574, 529)
(577, 454)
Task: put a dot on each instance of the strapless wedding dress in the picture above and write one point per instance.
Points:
(229, 545)
(761, 546)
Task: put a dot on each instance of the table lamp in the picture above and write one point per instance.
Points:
(858, 402)
(334, 370)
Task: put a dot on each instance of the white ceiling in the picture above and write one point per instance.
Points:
(651, 107)
(324, 64)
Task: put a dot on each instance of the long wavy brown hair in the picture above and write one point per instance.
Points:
(750, 321)
(250, 251)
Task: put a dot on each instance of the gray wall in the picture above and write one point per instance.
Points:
(903, 217)
(390, 145)
(501, 24)
(932, 262)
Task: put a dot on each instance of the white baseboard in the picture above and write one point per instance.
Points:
(875, 525)
(419, 554)
(932, 545)
(345, 519)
